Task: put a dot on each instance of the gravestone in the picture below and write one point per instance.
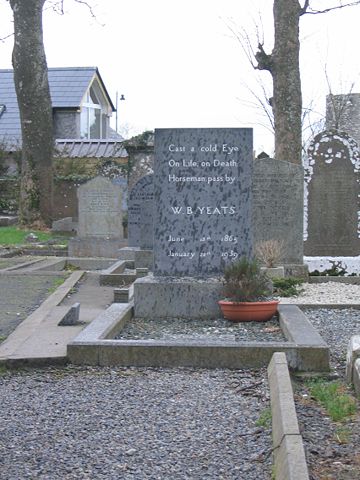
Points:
(141, 214)
(332, 196)
(202, 219)
(202, 192)
(278, 206)
(100, 220)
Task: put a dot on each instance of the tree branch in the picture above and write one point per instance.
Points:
(2, 39)
(263, 59)
(311, 11)
(305, 7)
(58, 6)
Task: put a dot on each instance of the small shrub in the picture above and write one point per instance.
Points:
(245, 282)
(337, 270)
(287, 287)
(270, 252)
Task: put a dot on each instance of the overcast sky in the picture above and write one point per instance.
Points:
(179, 65)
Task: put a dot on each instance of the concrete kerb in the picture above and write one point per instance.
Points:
(289, 455)
(329, 306)
(338, 279)
(30, 263)
(56, 265)
(305, 351)
(114, 275)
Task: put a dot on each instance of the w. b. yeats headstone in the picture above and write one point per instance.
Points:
(141, 214)
(333, 195)
(202, 198)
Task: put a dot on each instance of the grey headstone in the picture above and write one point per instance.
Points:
(141, 214)
(100, 213)
(202, 189)
(333, 195)
(278, 206)
(65, 224)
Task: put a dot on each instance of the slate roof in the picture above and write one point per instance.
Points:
(67, 89)
(90, 148)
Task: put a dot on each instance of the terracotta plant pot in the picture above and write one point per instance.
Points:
(249, 311)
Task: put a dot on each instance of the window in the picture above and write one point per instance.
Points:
(93, 115)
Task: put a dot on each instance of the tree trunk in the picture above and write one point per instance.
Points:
(283, 64)
(287, 100)
(33, 95)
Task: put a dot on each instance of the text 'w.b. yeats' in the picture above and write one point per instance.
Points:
(202, 194)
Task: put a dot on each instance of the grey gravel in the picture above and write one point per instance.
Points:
(133, 423)
(326, 293)
(204, 329)
(332, 449)
(336, 327)
(20, 295)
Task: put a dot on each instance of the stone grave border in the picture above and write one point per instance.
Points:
(305, 349)
(289, 453)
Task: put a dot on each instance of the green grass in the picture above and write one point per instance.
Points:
(264, 419)
(56, 284)
(16, 236)
(333, 397)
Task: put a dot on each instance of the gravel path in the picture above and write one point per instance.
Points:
(331, 292)
(92, 423)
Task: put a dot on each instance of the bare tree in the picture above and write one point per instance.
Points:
(283, 65)
(33, 95)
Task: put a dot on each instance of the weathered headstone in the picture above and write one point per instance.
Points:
(202, 191)
(99, 208)
(332, 196)
(141, 214)
(278, 206)
(100, 220)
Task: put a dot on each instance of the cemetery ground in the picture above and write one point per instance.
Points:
(171, 423)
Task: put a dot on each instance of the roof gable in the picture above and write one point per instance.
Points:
(67, 89)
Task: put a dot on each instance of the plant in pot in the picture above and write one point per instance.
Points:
(248, 292)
